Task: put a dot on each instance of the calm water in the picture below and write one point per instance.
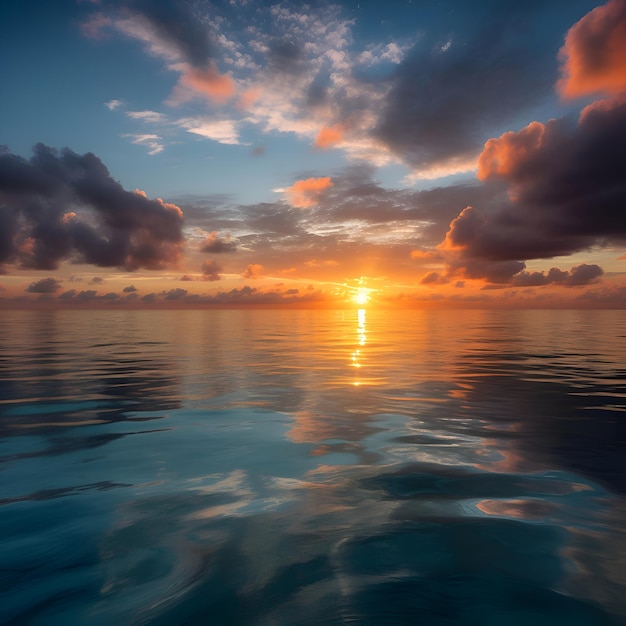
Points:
(303, 467)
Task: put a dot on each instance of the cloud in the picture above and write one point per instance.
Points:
(174, 294)
(209, 83)
(174, 32)
(215, 244)
(329, 136)
(578, 275)
(152, 117)
(566, 194)
(129, 289)
(594, 54)
(211, 270)
(222, 131)
(108, 227)
(113, 104)
(151, 141)
(445, 101)
(45, 285)
(254, 270)
(306, 193)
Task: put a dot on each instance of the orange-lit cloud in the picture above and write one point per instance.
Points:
(594, 54)
(211, 270)
(215, 244)
(501, 155)
(254, 270)
(305, 193)
(424, 254)
(329, 136)
(248, 98)
(217, 87)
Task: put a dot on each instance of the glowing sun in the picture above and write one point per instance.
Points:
(362, 296)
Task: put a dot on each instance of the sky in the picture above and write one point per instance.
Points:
(419, 153)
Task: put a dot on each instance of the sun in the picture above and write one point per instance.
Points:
(362, 296)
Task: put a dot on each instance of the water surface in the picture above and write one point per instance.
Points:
(307, 467)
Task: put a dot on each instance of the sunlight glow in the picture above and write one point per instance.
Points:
(362, 296)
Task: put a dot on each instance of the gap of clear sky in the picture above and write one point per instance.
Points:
(415, 153)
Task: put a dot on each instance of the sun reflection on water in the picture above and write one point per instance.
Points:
(361, 332)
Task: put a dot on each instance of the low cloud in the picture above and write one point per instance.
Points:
(211, 270)
(214, 244)
(254, 270)
(45, 285)
(107, 226)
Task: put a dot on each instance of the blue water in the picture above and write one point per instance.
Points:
(307, 467)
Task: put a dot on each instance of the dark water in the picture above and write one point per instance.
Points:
(302, 467)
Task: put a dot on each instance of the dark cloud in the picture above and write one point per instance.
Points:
(286, 56)
(175, 23)
(175, 294)
(211, 270)
(215, 244)
(87, 296)
(129, 289)
(567, 188)
(447, 96)
(96, 280)
(578, 276)
(59, 206)
(45, 285)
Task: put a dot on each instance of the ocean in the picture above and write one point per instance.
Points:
(275, 467)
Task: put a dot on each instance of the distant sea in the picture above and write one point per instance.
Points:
(280, 467)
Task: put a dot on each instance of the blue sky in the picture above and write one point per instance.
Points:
(325, 145)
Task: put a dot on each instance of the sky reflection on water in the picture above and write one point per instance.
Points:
(278, 467)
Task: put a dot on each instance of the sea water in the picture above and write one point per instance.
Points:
(313, 467)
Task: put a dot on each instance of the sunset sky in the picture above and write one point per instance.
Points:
(426, 153)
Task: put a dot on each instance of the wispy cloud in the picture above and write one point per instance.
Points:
(222, 131)
(113, 104)
(152, 142)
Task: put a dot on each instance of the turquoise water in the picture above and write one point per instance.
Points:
(307, 467)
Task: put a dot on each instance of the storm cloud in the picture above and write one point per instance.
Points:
(567, 193)
(64, 206)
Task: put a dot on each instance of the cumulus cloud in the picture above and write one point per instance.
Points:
(594, 54)
(254, 270)
(214, 244)
(211, 270)
(577, 276)
(566, 194)
(175, 294)
(107, 226)
(45, 285)
(129, 289)
(306, 193)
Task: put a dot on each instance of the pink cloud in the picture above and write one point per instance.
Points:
(219, 88)
(254, 270)
(594, 54)
(329, 136)
(306, 193)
